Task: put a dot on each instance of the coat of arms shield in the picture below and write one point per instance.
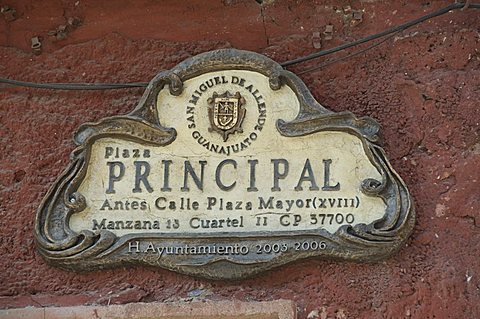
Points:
(226, 113)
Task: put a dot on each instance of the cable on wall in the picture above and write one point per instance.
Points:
(388, 33)
(404, 26)
(74, 86)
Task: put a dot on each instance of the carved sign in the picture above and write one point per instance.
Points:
(227, 167)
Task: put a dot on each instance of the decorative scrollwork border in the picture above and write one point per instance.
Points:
(87, 250)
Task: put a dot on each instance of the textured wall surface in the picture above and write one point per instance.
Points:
(423, 86)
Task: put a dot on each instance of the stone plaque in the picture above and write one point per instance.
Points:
(227, 167)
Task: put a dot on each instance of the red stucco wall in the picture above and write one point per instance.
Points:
(423, 87)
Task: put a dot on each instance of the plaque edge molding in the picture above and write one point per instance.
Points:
(83, 251)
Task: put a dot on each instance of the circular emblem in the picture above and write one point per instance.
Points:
(226, 114)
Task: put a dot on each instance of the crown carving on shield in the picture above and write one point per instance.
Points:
(226, 113)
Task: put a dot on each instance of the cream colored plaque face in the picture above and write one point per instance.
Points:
(253, 181)
(226, 167)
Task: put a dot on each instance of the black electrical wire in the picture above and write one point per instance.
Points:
(398, 28)
(394, 30)
(348, 56)
(74, 86)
